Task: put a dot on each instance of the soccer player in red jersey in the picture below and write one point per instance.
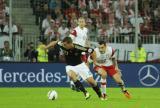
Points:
(105, 64)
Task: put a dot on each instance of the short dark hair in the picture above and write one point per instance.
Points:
(102, 43)
(67, 39)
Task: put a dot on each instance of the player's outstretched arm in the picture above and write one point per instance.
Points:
(51, 44)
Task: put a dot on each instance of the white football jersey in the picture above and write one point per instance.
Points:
(79, 36)
(106, 58)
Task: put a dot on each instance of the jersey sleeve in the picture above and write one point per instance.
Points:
(61, 45)
(85, 52)
(73, 34)
(84, 49)
(113, 53)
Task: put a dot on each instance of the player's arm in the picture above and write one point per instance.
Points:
(51, 44)
(83, 49)
(93, 57)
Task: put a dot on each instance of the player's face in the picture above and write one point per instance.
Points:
(81, 23)
(68, 45)
(102, 48)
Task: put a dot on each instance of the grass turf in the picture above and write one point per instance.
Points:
(37, 98)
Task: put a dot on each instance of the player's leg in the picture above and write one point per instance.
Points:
(117, 78)
(72, 73)
(86, 74)
(119, 81)
(73, 87)
(95, 86)
(103, 75)
(73, 76)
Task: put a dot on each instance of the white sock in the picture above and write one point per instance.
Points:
(71, 82)
(103, 86)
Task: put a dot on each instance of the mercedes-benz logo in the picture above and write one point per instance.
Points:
(148, 75)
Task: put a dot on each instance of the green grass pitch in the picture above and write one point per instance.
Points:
(37, 98)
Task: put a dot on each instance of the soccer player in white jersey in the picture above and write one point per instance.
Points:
(105, 64)
(79, 36)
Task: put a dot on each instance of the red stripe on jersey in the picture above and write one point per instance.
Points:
(113, 51)
(74, 33)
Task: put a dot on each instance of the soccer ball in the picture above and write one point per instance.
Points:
(52, 95)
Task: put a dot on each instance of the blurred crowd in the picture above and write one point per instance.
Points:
(4, 20)
(104, 18)
(111, 20)
(6, 53)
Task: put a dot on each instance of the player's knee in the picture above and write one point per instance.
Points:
(93, 84)
(71, 75)
(117, 78)
(103, 73)
(118, 81)
(73, 78)
(91, 81)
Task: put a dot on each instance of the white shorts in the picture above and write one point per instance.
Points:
(81, 70)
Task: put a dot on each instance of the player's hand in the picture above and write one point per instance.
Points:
(97, 64)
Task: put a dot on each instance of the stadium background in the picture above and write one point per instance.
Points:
(111, 20)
